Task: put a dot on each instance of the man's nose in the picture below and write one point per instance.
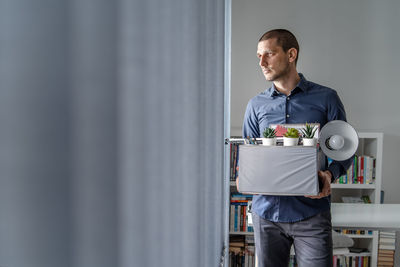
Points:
(263, 61)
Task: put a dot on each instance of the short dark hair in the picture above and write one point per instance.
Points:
(284, 39)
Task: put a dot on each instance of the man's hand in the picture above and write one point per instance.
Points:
(325, 178)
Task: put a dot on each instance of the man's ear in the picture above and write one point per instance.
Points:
(292, 52)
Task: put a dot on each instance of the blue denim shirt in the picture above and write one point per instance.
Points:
(308, 102)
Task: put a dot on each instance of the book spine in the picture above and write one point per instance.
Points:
(370, 169)
(232, 218)
(231, 161)
(239, 220)
(373, 169)
(355, 170)
(235, 171)
(243, 219)
(348, 173)
(235, 228)
(361, 169)
(365, 168)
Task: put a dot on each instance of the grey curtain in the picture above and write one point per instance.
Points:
(112, 127)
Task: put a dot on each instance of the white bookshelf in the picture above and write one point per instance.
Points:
(370, 144)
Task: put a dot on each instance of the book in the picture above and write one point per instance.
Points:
(385, 252)
(369, 170)
(386, 258)
(385, 240)
(387, 233)
(391, 247)
(361, 175)
(232, 218)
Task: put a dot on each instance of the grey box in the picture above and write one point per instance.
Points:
(278, 170)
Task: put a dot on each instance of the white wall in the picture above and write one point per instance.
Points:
(351, 46)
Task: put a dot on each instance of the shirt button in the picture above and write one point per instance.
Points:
(288, 98)
(287, 116)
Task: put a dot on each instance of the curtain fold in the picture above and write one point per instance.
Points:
(179, 60)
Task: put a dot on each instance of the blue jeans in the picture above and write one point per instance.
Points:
(312, 240)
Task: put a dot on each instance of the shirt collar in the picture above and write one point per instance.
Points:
(302, 85)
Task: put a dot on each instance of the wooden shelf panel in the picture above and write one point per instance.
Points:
(353, 186)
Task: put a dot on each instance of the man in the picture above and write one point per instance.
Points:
(280, 221)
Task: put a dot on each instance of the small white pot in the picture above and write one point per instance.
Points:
(309, 141)
(288, 141)
(269, 141)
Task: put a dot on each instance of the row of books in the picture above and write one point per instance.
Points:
(239, 211)
(354, 232)
(361, 171)
(387, 247)
(241, 251)
(351, 261)
(242, 259)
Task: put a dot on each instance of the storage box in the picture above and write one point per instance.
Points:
(278, 170)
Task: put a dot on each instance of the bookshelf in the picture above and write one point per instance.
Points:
(370, 144)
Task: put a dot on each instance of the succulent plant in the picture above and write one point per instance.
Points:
(308, 131)
(269, 133)
(292, 133)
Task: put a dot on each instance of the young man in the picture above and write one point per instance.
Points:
(280, 221)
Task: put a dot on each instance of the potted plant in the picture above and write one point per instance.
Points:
(308, 135)
(269, 137)
(291, 137)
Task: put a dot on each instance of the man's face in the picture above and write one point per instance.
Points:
(274, 62)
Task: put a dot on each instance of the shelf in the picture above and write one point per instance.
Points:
(360, 236)
(354, 186)
(362, 254)
(241, 233)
